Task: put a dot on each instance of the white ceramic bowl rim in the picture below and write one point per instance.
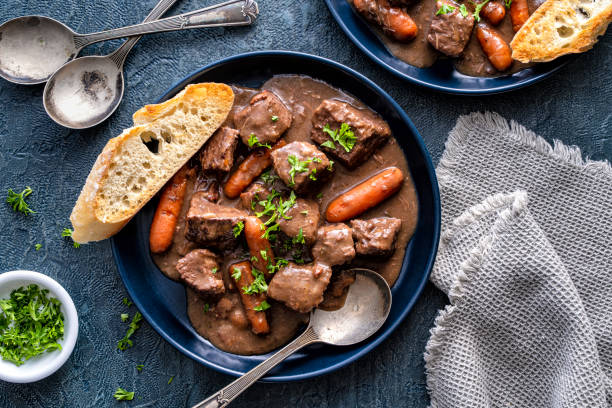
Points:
(47, 363)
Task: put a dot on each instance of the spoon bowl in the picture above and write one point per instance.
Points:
(32, 48)
(84, 92)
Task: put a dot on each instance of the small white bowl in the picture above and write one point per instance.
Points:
(45, 364)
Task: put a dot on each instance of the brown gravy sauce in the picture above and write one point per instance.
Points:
(472, 62)
(225, 324)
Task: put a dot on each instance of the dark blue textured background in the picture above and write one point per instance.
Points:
(573, 106)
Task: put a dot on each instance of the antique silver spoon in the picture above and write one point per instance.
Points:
(94, 72)
(32, 48)
(366, 308)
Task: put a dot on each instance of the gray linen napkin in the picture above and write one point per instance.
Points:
(526, 261)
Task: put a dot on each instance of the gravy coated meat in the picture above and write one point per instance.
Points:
(449, 33)
(252, 242)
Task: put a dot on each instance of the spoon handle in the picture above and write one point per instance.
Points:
(226, 395)
(230, 13)
(119, 55)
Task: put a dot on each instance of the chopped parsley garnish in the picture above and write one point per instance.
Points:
(445, 9)
(274, 118)
(297, 166)
(206, 307)
(299, 238)
(330, 166)
(329, 144)
(463, 10)
(123, 395)
(305, 212)
(17, 201)
(67, 232)
(170, 380)
(253, 141)
(264, 254)
(37, 247)
(477, 9)
(139, 367)
(280, 262)
(275, 212)
(237, 274)
(238, 228)
(214, 270)
(30, 324)
(259, 285)
(125, 342)
(124, 317)
(127, 302)
(344, 136)
(254, 259)
(508, 3)
(269, 177)
(320, 195)
(270, 229)
(262, 306)
(312, 175)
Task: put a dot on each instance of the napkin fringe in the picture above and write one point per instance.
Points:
(509, 206)
(468, 125)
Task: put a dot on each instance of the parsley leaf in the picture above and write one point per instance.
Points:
(125, 342)
(463, 10)
(37, 247)
(259, 285)
(262, 306)
(269, 177)
(329, 144)
(170, 380)
(508, 3)
(214, 270)
(206, 307)
(139, 367)
(123, 395)
(67, 232)
(477, 9)
(445, 9)
(274, 118)
(299, 238)
(124, 317)
(280, 262)
(253, 141)
(17, 201)
(30, 324)
(320, 195)
(127, 302)
(238, 228)
(237, 274)
(344, 136)
(297, 166)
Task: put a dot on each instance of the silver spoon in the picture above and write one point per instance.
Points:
(366, 308)
(32, 48)
(62, 90)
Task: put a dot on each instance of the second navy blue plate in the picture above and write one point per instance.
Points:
(442, 76)
(162, 301)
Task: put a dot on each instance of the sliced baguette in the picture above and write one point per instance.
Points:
(560, 27)
(127, 174)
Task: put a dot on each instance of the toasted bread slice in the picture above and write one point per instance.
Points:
(560, 27)
(136, 164)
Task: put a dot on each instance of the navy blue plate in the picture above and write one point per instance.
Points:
(442, 76)
(162, 301)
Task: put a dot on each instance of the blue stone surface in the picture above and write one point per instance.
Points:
(573, 106)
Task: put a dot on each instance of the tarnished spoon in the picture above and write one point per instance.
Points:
(366, 309)
(32, 48)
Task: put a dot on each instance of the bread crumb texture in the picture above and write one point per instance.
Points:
(561, 27)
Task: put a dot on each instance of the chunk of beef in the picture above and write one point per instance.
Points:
(210, 224)
(449, 33)
(304, 216)
(301, 166)
(266, 117)
(300, 287)
(199, 270)
(334, 245)
(335, 295)
(209, 186)
(376, 236)
(256, 192)
(218, 152)
(368, 130)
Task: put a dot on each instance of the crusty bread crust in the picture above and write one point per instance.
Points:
(127, 174)
(560, 27)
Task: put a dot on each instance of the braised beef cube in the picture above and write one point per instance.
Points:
(210, 224)
(218, 153)
(199, 270)
(301, 166)
(334, 245)
(256, 192)
(302, 226)
(335, 295)
(360, 130)
(450, 32)
(208, 185)
(266, 118)
(376, 236)
(300, 287)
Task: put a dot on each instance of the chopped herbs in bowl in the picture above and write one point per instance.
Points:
(38, 326)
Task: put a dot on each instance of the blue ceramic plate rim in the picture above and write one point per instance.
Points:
(378, 50)
(382, 334)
